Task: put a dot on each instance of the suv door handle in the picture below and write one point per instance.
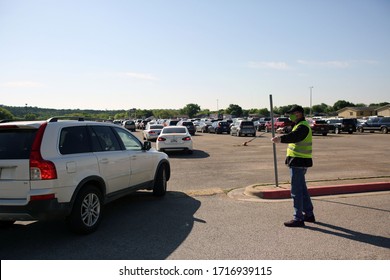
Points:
(104, 160)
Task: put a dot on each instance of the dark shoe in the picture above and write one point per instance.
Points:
(310, 219)
(294, 223)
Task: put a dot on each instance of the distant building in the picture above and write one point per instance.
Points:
(357, 112)
(383, 111)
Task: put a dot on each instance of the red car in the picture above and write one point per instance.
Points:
(319, 127)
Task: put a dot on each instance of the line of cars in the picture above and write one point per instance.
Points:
(171, 135)
(235, 127)
(334, 125)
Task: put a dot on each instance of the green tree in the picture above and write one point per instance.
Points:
(5, 114)
(264, 112)
(342, 104)
(378, 104)
(191, 110)
(321, 108)
(234, 110)
(30, 117)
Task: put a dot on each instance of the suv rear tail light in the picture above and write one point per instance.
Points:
(186, 138)
(161, 139)
(40, 169)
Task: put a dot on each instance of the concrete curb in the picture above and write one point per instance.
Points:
(282, 193)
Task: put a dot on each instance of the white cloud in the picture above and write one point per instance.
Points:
(141, 76)
(328, 64)
(22, 84)
(269, 65)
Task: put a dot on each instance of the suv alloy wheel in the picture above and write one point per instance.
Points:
(87, 211)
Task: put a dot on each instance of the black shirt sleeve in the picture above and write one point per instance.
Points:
(295, 136)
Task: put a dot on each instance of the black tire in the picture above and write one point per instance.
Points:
(337, 130)
(87, 211)
(6, 224)
(384, 130)
(160, 183)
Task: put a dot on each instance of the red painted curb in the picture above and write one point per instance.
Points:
(328, 190)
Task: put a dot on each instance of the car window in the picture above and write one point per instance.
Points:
(106, 138)
(16, 143)
(174, 130)
(348, 121)
(129, 140)
(156, 127)
(249, 123)
(74, 140)
(320, 122)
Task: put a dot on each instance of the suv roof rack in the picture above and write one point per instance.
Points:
(55, 119)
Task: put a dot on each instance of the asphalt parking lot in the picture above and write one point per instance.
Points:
(197, 220)
(222, 162)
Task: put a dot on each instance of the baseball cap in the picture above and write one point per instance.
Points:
(296, 108)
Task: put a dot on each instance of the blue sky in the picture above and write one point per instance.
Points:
(121, 54)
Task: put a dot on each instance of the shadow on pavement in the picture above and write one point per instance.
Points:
(195, 155)
(138, 226)
(375, 240)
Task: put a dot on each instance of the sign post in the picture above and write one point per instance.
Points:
(273, 144)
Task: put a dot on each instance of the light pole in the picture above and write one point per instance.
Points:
(311, 88)
(217, 110)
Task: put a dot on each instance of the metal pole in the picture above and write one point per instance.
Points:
(311, 88)
(273, 144)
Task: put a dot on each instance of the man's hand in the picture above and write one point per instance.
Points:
(276, 139)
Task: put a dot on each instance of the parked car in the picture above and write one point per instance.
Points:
(219, 127)
(261, 123)
(243, 127)
(203, 126)
(319, 126)
(339, 125)
(280, 123)
(152, 131)
(130, 125)
(71, 168)
(189, 124)
(174, 138)
(375, 124)
(171, 122)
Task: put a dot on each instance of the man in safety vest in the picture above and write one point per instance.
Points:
(299, 158)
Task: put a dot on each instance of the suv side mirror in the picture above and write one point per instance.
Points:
(147, 146)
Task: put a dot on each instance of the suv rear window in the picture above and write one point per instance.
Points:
(247, 123)
(348, 121)
(16, 143)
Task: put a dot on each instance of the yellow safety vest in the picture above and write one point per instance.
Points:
(301, 149)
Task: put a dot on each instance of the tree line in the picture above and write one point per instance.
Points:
(190, 110)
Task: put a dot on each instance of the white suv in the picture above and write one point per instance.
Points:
(71, 168)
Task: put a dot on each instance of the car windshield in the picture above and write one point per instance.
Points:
(156, 127)
(174, 130)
